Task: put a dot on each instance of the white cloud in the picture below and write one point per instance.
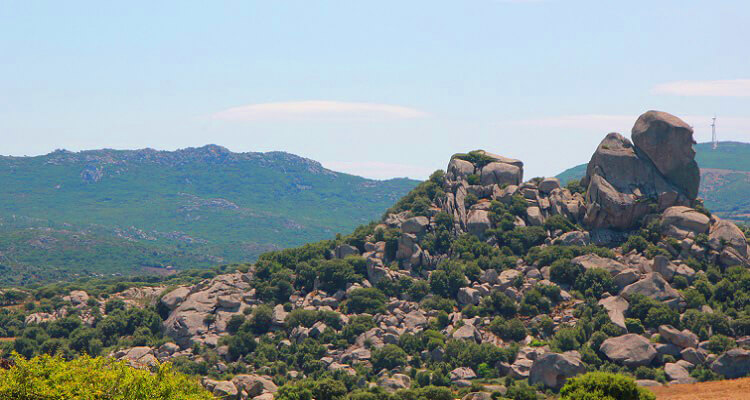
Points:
(318, 110)
(730, 88)
(379, 170)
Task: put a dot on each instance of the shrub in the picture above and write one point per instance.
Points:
(565, 272)
(663, 315)
(521, 391)
(635, 242)
(594, 282)
(499, 303)
(365, 300)
(508, 330)
(447, 279)
(634, 326)
(556, 222)
(603, 386)
(46, 377)
(388, 357)
(566, 339)
(720, 343)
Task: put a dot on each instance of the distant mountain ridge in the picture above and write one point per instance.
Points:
(120, 211)
(725, 178)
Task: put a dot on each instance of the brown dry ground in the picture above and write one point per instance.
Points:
(719, 390)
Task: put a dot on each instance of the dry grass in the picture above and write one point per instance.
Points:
(719, 390)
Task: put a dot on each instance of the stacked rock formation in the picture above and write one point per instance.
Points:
(628, 180)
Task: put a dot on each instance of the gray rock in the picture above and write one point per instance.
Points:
(478, 222)
(225, 390)
(626, 278)
(668, 142)
(175, 297)
(534, 216)
(415, 225)
(622, 183)
(459, 169)
(676, 372)
(683, 339)
(733, 364)
(667, 349)
(724, 233)
(616, 307)
(187, 322)
(547, 185)
(654, 286)
(468, 296)
(574, 238)
(590, 261)
(462, 373)
(694, 356)
(500, 173)
(467, 332)
(395, 382)
(478, 396)
(553, 369)
(631, 349)
(254, 385)
(680, 222)
(345, 250)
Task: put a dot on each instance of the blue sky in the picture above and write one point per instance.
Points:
(381, 88)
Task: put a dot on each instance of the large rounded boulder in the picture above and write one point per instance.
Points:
(668, 143)
(553, 369)
(631, 349)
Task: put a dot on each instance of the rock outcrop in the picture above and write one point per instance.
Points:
(631, 349)
(668, 142)
(733, 364)
(200, 314)
(553, 369)
(626, 182)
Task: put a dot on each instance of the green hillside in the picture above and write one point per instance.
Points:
(110, 211)
(725, 178)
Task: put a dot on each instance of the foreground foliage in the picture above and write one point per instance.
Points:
(603, 386)
(53, 378)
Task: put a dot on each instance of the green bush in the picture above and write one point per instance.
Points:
(557, 221)
(365, 300)
(594, 282)
(388, 357)
(512, 329)
(447, 279)
(46, 377)
(565, 272)
(603, 386)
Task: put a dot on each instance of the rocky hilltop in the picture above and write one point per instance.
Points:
(103, 212)
(478, 274)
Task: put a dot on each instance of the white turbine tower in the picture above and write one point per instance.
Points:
(714, 142)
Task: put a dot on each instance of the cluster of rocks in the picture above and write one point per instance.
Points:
(501, 179)
(625, 179)
(199, 314)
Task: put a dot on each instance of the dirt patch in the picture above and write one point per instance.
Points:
(735, 389)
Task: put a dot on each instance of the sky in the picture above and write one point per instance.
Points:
(376, 88)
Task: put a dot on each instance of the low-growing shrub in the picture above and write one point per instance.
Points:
(603, 386)
(46, 377)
